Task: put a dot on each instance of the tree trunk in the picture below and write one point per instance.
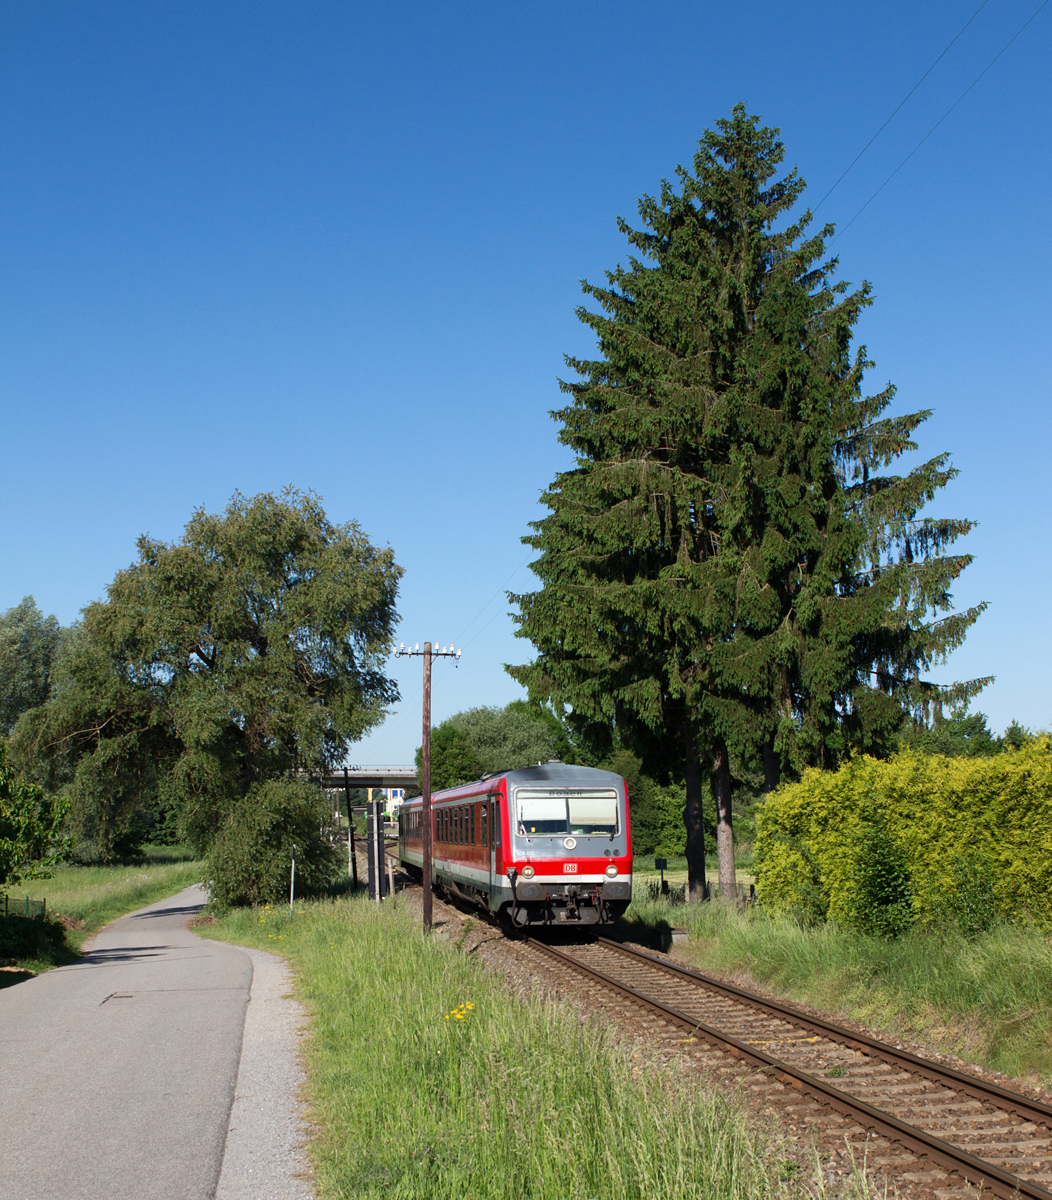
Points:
(721, 787)
(772, 768)
(693, 818)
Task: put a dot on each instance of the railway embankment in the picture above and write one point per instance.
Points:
(985, 999)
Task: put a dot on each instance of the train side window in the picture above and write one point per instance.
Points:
(484, 822)
(471, 814)
(456, 825)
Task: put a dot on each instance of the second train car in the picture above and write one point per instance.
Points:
(543, 845)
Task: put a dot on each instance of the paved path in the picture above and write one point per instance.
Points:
(117, 1074)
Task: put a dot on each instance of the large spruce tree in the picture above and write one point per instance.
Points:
(726, 572)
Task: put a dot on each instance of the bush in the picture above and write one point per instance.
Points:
(884, 894)
(250, 858)
(30, 824)
(969, 904)
(909, 817)
(32, 938)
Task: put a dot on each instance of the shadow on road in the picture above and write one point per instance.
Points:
(123, 954)
(187, 910)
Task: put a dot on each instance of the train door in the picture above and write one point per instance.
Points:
(493, 841)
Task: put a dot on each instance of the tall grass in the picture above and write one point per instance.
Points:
(430, 1080)
(988, 998)
(90, 897)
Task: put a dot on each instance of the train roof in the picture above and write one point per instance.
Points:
(542, 773)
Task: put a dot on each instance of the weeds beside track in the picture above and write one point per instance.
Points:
(985, 998)
(430, 1079)
(957, 1123)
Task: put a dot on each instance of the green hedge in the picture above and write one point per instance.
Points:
(878, 844)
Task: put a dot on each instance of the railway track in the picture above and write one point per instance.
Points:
(997, 1140)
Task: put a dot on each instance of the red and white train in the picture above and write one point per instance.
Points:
(544, 845)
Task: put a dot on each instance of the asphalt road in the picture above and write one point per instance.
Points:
(117, 1074)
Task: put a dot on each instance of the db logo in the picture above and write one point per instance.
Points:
(569, 868)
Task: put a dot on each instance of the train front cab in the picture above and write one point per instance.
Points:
(565, 853)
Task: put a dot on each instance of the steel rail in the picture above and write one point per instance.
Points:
(978, 1089)
(977, 1172)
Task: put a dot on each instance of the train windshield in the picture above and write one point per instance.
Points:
(555, 811)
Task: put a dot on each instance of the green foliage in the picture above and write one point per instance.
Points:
(250, 860)
(567, 744)
(960, 734)
(251, 647)
(453, 761)
(728, 569)
(30, 827)
(102, 741)
(870, 825)
(470, 743)
(505, 739)
(30, 644)
(32, 939)
(967, 902)
(89, 897)
(656, 811)
(1017, 735)
(883, 900)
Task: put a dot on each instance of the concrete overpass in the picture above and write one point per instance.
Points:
(384, 776)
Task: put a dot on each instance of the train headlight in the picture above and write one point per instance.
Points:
(528, 872)
(611, 871)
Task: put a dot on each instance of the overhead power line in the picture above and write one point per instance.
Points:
(993, 60)
(901, 103)
(395, 727)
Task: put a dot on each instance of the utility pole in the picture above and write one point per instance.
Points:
(428, 653)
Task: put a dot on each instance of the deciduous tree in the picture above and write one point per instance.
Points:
(469, 743)
(29, 648)
(252, 647)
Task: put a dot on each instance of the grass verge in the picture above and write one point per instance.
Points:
(430, 1081)
(987, 999)
(84, 899)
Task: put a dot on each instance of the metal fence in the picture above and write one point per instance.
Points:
(15, 907)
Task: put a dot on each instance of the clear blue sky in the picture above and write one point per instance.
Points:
(337, 245)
